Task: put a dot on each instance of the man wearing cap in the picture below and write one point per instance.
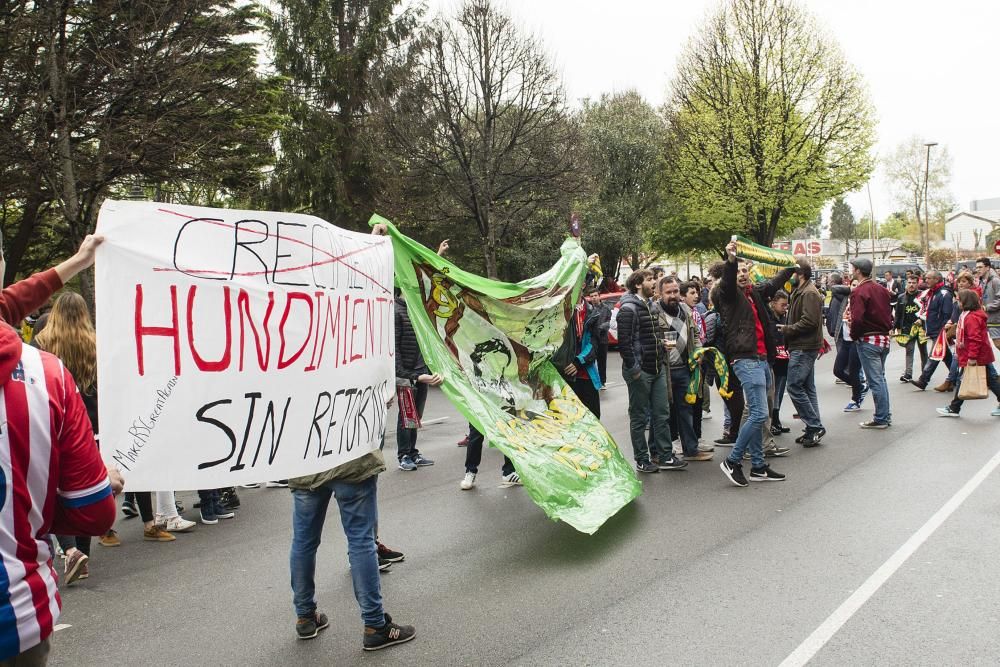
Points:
(871, 321)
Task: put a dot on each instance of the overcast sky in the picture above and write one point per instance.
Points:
(931, 67)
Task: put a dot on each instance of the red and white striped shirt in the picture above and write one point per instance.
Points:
(878, 340)
(53, 480)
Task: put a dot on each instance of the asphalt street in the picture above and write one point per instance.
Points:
(695, 571)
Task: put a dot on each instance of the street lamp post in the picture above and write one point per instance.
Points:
(927, 216)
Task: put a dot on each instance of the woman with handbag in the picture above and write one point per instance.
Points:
(975, 357)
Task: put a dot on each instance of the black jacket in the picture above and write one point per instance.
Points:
(572, 347)
(907, 309)
(604, 314)
(637, 341)
(409, 361)
(737, 315)
(835, 311)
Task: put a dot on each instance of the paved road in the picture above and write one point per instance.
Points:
(694, 572)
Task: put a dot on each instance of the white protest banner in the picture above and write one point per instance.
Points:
(238, 346)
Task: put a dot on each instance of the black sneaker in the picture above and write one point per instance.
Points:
(725, 440)
(734, 473)
(875, 424)
(646, 466)
(919, 384)
(765, 474)
(673, 464)
(384, 565)
(775, 429)
(776, 451)
(390, 555)
(129, 509)
(388, 635)
(230, 500)
(307, 628)
(811, 440)
(905, 379)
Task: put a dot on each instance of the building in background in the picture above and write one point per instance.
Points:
(968, 230)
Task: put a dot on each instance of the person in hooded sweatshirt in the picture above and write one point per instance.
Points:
(54, 478)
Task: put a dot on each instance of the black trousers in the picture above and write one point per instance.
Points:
(474, 453)
(588, 394)
(602, 362)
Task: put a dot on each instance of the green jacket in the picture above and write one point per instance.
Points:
(352, 472)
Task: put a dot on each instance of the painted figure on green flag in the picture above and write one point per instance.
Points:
(492, 343)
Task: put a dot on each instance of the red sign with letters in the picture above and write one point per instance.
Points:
(996, 247)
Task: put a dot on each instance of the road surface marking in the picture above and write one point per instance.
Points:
(825, 632)
(431, 422)
(61, 626)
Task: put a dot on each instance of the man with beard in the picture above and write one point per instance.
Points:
(804, 339)
(676, 320)
(750, 347)
(644, 370)
(989, 283)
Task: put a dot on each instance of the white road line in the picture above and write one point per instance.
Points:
(61, 626)
(825, 632)
(431, 422)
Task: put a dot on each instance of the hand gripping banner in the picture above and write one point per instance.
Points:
(491, 341)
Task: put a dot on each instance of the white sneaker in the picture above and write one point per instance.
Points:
(251, 485)
(178, 524)
(468, 481)
(512, 479)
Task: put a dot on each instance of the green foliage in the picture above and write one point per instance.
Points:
(768, 122)
(157, 92)
(624, 146)
(842, 223)
(334, 57)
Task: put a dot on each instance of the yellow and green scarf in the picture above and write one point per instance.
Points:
(721, 369)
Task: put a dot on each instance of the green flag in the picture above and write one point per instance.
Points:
(766, 262)
(491, 341)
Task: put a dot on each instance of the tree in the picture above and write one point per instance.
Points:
(481, 133)
(768, 122)
(899, 226)
(148, 92)
(906, 169)
(335, 56)
(623, 142)
(843, 226)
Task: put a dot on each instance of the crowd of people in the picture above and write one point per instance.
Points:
(770, 340)
(754, 342)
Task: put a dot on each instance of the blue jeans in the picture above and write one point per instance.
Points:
(755, 378)
(802, 387)
(680, 377)
(358, 515)
(647, 400)
(873, 361)
(954, 372)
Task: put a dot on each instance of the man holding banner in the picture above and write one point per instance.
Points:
(749, 347)
(353, 485)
